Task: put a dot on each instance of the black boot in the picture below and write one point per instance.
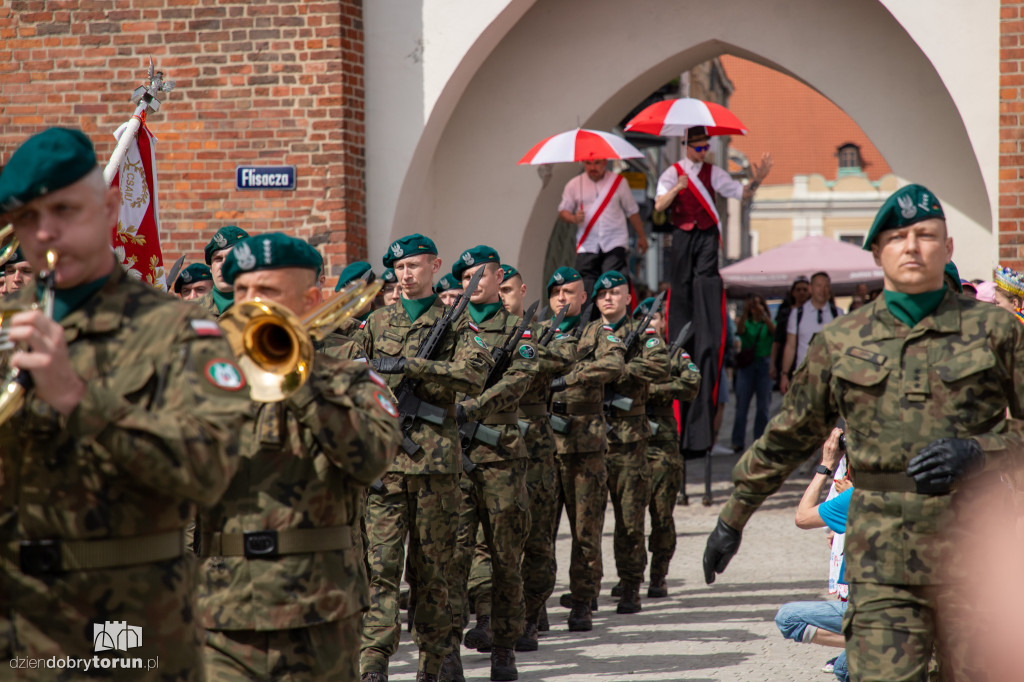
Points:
(503, 664)
(528, 640)
(479, 638)
(542, 621)
(566, 601)
(373, 677)
(629, 602)
(658, 587)
(580, 618)
(425, 677)
(617, 590)
(451, 669)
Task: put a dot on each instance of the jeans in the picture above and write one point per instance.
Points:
(794, 618)
(754, 379)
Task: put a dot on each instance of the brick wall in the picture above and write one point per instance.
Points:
(1011, 135)
(258, 82)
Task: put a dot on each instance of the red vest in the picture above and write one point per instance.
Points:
(686, 211)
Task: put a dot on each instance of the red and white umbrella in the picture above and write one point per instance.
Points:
(676, 116)
(580, 145)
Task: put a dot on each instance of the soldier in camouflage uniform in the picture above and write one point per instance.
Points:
(581, 441)
(496, 498)
(130, 425)
(419, 494)
(282, 580)
(664, 457)
(629, 474)
(391, 293)
(924, 378)
(216, 252)
(539, 567)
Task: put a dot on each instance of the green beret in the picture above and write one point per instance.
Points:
(470, 258)
(563, 275)
(447, 283)
(509, 271)
(48, 161)
(351, 273)
(608, 280)
(224, 238)
(954, 277)
(905, 206)
(408, 246)
(197, 272)
(268, 252)
(643, 307)
(389, 276)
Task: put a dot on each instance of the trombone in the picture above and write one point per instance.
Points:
(274, 346)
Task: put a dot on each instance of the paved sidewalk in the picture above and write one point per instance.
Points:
(724, 631)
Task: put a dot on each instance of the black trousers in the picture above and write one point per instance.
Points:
(698, 295)
(593, 265)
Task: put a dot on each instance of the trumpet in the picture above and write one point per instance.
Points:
(8, 243)
(274, 346)
(13, 382)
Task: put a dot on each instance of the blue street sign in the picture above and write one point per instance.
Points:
(265, 177)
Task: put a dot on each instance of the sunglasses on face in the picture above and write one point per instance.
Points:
(700, 147)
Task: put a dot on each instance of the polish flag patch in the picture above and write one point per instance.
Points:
(527, 334)
(206, 328)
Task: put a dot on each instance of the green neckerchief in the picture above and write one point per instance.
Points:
(417, 307)
(364, 316)
(568, 323)
(221, 300)
(912, 308)
(615, 327)
(483, 311)
(66, 301)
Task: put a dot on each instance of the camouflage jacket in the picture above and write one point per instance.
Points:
(552, 360)
(953, 375)
(306, 462)
(600, 360)
(206, 303)
(683, 386)
(461, 366)
(650, 363)
(503, 395)
(341, 347)
(154, 436)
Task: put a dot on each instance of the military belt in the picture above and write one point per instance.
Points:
(660, 411)
(533, 410)
(501, 419)
(883, 482)
(576, 408)
(45, 557)
(267, 544)
(631, 412)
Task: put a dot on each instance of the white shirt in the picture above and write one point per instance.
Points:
(721, 181)
(610, 231)
(809, 326)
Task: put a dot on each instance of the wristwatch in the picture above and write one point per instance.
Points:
(822, 469)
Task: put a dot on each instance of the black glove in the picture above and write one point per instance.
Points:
(460, 415)
(557, 384)
(943, 462)
(723, 543)
(388, 365)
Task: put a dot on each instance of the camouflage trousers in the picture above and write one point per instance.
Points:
(479, 584)
(629, 482)
(666, 479)
(891, 631)
(496, 502)
(328, 651)
(424, 508)
(583, 489)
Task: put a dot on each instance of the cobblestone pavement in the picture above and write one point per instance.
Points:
(723, 632)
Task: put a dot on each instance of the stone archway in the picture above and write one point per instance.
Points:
(559, 64)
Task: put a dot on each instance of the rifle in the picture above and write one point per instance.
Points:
(577, 332)
(611, 398)
(549, 333)
(681, 338)
(409, 406)
(502, 357)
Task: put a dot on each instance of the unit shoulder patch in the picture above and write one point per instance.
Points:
(652, 342)
(224, 373)
(527, 351)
